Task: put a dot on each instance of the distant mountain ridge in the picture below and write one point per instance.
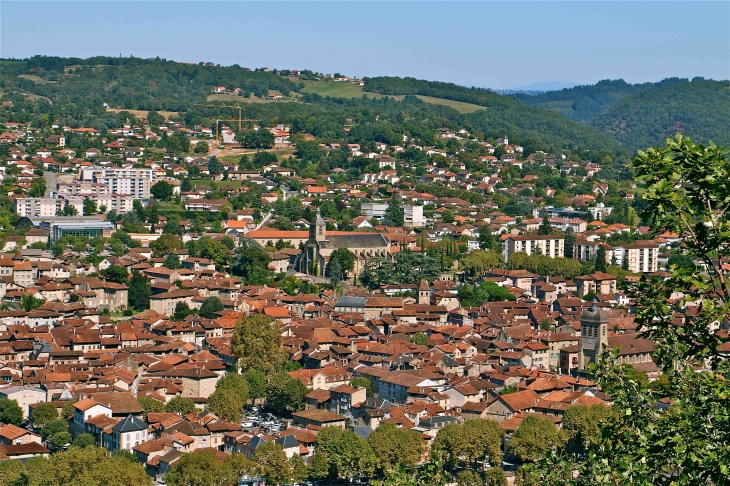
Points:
(543, 87)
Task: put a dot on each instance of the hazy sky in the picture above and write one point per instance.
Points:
(487, 44)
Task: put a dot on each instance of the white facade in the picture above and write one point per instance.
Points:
(135, 182)
(413, 215)
(552, 246)
(643, 257)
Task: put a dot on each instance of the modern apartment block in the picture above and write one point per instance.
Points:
(413, 215)
(550, 245)
(135, 182)
(47, 206)
(643, 256)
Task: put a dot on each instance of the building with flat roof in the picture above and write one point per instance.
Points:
(59, 226)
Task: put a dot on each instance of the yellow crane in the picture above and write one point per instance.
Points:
(239, 120)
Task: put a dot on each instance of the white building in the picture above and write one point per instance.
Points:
(135, 182)
(550, 245)
(643, 256)
(413, 215)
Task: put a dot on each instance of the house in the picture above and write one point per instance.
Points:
(318, 418)
(506, 406)
(25, 396)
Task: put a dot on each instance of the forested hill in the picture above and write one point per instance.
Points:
(583, 103)
(644, 114)
(700, 109)
(502, 111)
(129, 82)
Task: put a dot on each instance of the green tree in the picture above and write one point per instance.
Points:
(256, 382)
(90, 207)
(10, 412)
(494, 476)
(181, 405)
(216, 251)
(271, 463)
(582, 425)
(252, 265)
(448, 216)
(53, 427)
(570, 239)
(299, 469)
(481, 442)
(257, 342)
(285, 394)
(534, 438)
(359, 381)
(201, 147)
(345, 258)
(29, 303)
(214, 166)
(155, 119)
(394, 213)
(226, 404)
(601, 264)
(199, 468)
(139, 291)
(447, 444)
(210, 307)
(115, 273)
(545, 227)
(162, 190)
(186, 185)
(420, 338)
(38, 187)
(393, 445)
(43, 413)
(351, 457)
(334, 272)
(469, 478)
(84, 440)
(165, 244)
(172, 261)
(150, 405)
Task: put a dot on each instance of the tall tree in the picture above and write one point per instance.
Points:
(271, 463)
(534, 438)
(139, 291)
(285, 394)
(162, 190)
(352, 457)
(394, 213)
(393, 445)
(545, 227)
(257, 342)
(601, 263)
(89, 207)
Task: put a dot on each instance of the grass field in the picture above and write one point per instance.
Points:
(142, 113)
(350, 90)
(32, 77)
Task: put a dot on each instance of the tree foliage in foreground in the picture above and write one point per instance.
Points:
(689, 442)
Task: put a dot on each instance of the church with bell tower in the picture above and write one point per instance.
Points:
(316, 254)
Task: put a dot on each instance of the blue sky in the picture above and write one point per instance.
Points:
(487, 44)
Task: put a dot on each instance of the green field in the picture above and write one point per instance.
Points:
(241, 99)
(32, 77)
(350, 90)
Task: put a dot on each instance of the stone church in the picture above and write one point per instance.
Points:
(316, 254)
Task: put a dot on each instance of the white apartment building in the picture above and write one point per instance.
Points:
(643, 256)
(82, 188)
(550, 245)
(135, 182)
(413, 215)
(47, 206)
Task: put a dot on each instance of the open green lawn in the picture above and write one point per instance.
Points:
(350, 90)
(32, 77)
(234, 159)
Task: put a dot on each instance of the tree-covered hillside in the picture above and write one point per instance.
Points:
(503, 113)
(641, 115)
(700, 109)
(583, 103)
(142, 84)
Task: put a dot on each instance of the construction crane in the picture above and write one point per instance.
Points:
(240, 118)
